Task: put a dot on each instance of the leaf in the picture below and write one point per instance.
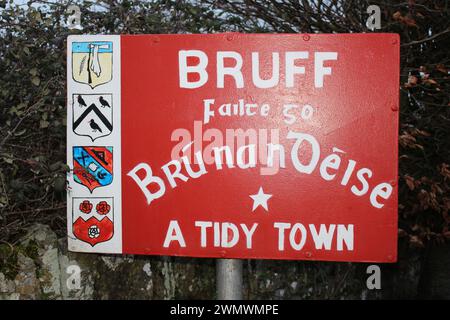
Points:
(440, 67)
(416, 242)
(33, 71)
(44, 124)
(397, 15)
(8, 160)
(21, 132)
(36, 81)
(409, 182)
(55, 166)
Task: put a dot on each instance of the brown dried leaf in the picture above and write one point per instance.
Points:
(440, 67)
(430, 81)
(402, 233)
(409, 182)
(416, 242)
(397, 16)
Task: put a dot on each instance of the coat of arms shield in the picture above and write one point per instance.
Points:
(93, 166)
(92, 115)
(93, 219)
(92, 62)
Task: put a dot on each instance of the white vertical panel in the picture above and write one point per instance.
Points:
(77, 190)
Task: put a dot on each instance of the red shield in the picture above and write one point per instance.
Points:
(93, 219)
(92, 230)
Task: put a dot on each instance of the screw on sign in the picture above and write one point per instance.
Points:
(239, 146)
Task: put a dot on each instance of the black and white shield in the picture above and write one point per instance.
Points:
(92, 115)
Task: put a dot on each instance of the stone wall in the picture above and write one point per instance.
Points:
(40, 267)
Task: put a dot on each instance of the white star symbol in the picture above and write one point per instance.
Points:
(260, 199)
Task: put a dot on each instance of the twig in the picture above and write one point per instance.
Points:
(37, 210)
(412, 43)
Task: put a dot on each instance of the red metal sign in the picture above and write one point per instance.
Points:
(236, 145)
